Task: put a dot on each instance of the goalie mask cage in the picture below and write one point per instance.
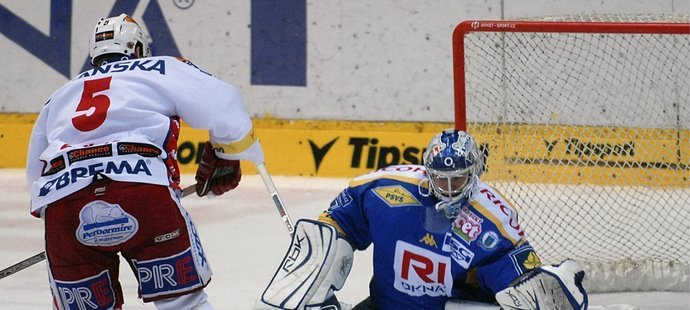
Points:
(585, 122)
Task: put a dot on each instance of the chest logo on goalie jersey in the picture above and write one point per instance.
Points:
(396, 196)
(419, 271)
(468, 225)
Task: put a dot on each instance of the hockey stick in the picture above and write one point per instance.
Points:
(41, 256)
(276, 198)
(23, 264)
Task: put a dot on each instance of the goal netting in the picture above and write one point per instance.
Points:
(585, 121)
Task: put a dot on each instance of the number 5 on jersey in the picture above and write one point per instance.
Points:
(92, 109)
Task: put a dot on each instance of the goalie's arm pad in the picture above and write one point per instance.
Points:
(316, 264)
(557, 287)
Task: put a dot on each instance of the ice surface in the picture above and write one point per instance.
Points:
(243, 236)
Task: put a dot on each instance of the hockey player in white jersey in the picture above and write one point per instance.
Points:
(439, 234)
(103, 172)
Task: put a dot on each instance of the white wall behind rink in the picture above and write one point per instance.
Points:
(373, 60)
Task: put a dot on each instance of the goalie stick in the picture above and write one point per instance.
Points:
(41, 256)
(276, 198)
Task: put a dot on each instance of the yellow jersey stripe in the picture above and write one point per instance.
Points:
(238, 146)
(499, 224)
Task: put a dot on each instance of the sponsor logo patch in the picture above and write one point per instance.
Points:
(396, 196)
(74, 156)
(56, 165)
(142, 149)
(111, 167)
(419, 271)
(168, 275)
(468, 225)
(342, 200)
(168, 236)
(91, 293)
(524, 259)
(458, 251)
(104, 224)
(532, 261)
(489, 240)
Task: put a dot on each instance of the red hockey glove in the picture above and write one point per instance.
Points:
(216, 174)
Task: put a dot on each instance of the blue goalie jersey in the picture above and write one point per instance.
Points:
(421, 257)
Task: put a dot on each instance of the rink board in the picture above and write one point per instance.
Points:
(347, 149)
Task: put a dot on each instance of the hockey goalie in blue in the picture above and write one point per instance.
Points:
(438, 232)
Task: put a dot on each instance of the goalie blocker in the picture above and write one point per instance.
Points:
(314, 267)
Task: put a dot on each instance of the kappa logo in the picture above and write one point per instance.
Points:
(396, 196)
(429, 240)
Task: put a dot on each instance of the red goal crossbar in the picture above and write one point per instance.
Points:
(538, 26)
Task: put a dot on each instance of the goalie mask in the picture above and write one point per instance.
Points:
(120, 37)
(454, 163)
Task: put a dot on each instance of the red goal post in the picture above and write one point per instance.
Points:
(585, 122)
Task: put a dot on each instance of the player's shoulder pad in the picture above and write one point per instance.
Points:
(412, 174)
(189, 63)
(499, 210)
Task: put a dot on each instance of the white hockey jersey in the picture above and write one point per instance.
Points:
(122, 120)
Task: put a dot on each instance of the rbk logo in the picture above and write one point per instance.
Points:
(320, 152)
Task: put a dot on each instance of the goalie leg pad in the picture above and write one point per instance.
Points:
(557, 287)
(316, 264)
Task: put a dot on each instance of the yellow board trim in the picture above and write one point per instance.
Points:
(585, 155)
(332, 148)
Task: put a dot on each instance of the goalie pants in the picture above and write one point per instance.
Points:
(144, 223)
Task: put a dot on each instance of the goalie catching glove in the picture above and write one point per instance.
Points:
(215, 174)
(556, 287)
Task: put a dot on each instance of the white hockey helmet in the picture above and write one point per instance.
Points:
(454, 163)
(120, 35)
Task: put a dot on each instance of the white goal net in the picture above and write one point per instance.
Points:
(585, 121)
